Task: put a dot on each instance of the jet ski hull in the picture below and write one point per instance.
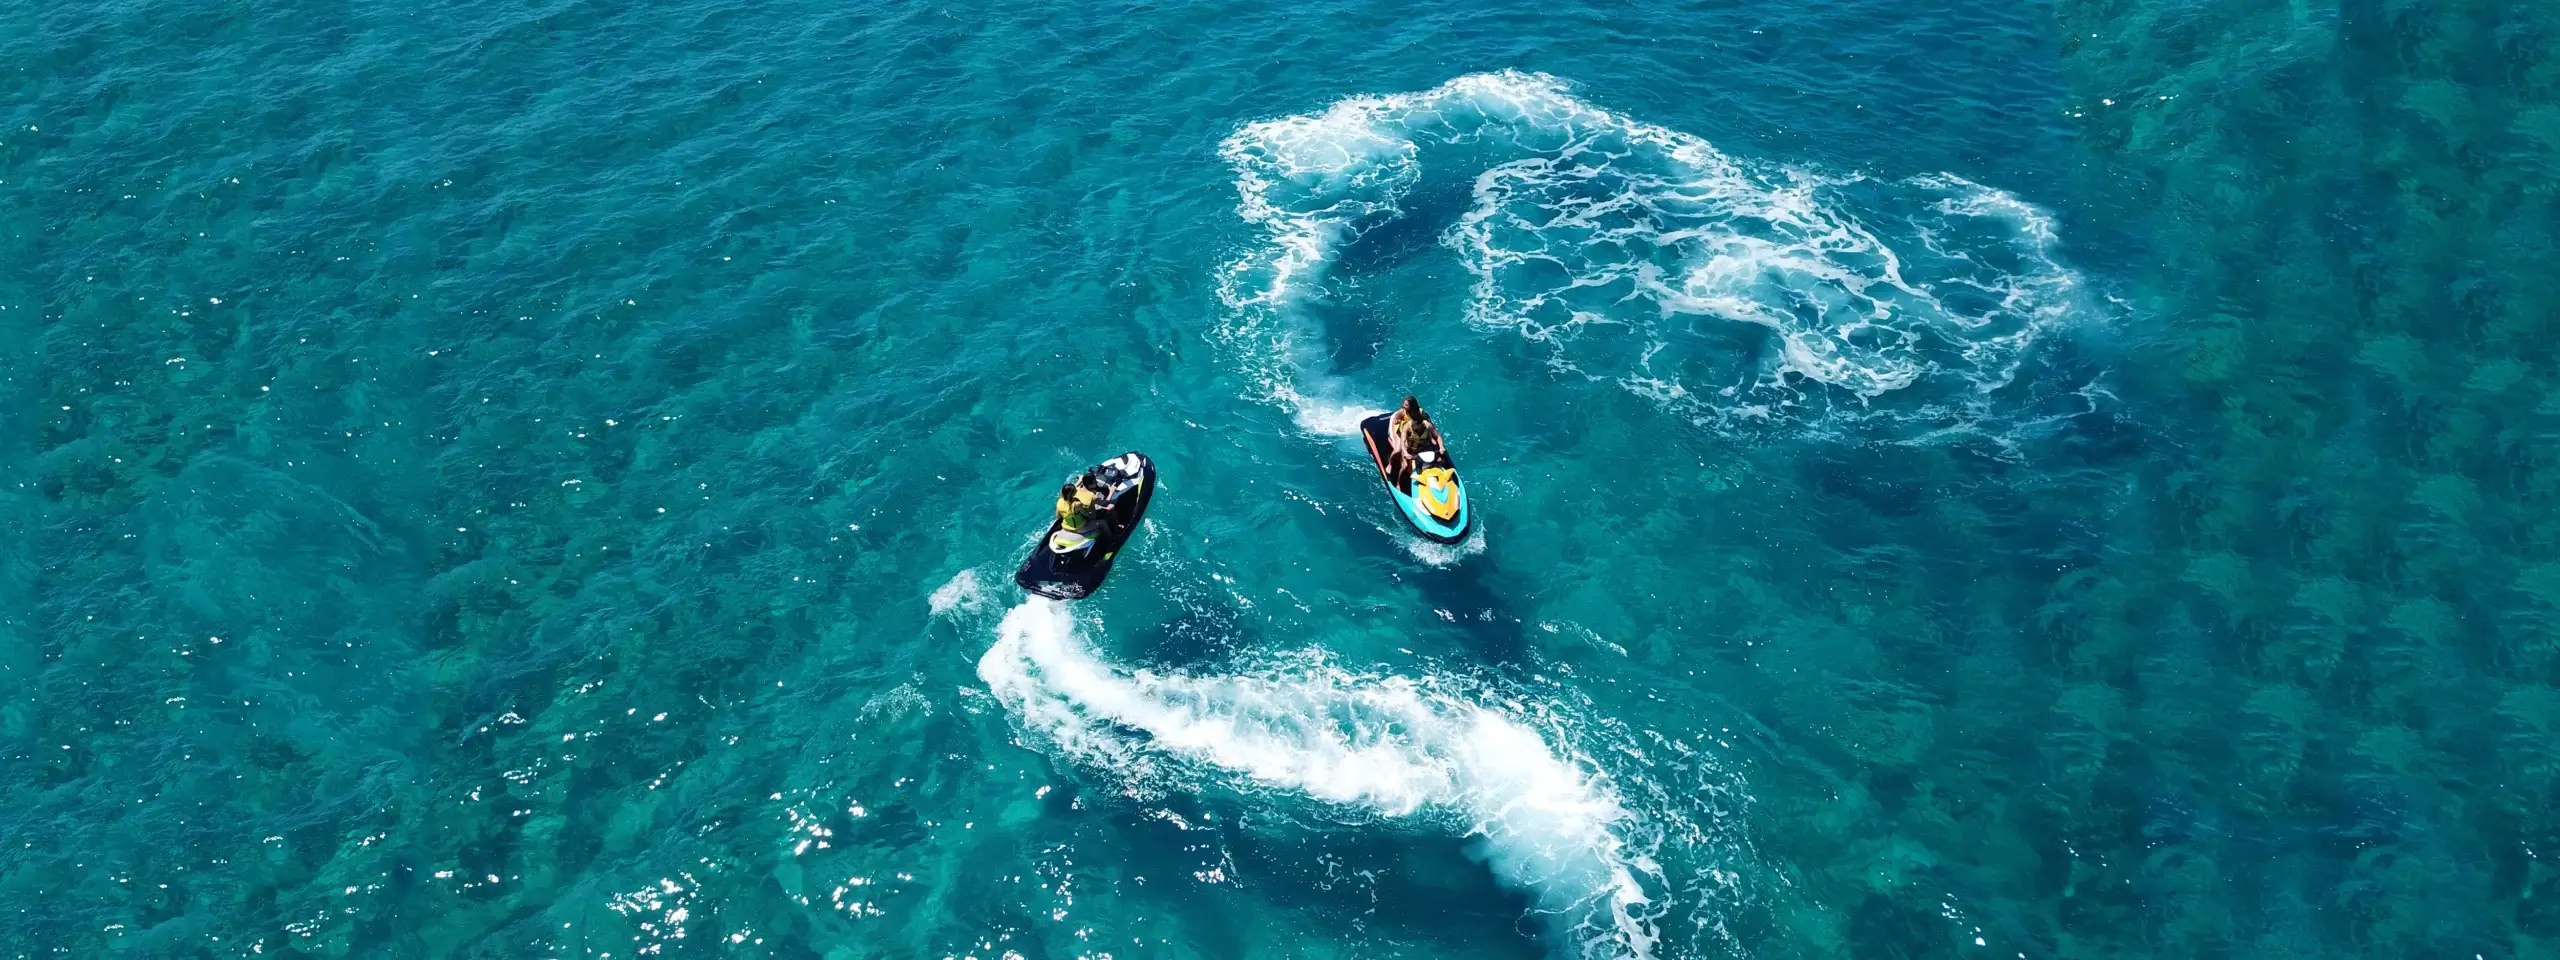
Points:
(1076, 575)
(1411, 503)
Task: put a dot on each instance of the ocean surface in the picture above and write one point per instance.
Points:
(533, 478)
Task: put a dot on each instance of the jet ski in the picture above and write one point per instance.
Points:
(1070, 564)
(1430, 498)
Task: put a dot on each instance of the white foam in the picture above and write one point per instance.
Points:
(961, 594)
(1545, 821)
(1433, 553)
(1606, 238)
(1332, 419)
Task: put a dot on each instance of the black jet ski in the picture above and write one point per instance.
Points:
(1429, 498)
(1070, 564)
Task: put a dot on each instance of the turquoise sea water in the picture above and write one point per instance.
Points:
(543, 480)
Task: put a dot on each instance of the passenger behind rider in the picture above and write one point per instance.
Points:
(1410, 433)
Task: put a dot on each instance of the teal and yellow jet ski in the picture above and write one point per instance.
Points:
(1428, 494)
(1070, 564)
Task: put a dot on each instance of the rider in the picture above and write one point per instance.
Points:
(1075, 507)
(1080, 507)
(1410, 433)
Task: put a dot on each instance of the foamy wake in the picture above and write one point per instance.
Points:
(1627, 248)
(1433, 553)
(961, 594)
(1367, 746)
(1329, 419)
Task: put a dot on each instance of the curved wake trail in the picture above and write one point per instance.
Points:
(1366, 747)
(1643, 256)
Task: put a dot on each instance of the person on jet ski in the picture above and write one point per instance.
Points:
(1080, 506)
(1410, 433)
(1075, 507)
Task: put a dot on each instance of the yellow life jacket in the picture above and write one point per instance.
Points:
(1414, 433)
